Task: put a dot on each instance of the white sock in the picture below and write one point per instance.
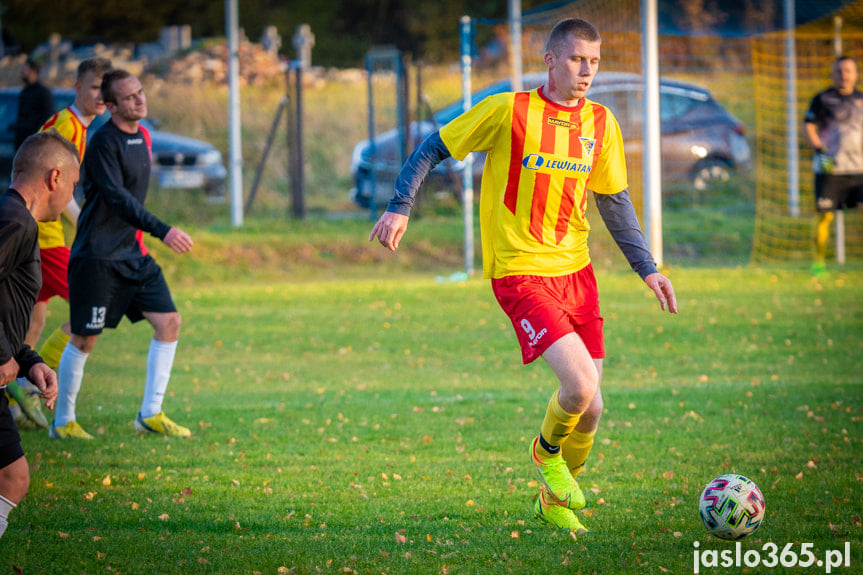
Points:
(69, 373)
(5, 507)
(160, 359)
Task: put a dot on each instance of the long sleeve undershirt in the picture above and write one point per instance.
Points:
(616, 210)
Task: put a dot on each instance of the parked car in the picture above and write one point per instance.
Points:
(702, 143)
(178, 161)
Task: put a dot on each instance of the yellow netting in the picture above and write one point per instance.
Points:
(747, 75)
(779, 236)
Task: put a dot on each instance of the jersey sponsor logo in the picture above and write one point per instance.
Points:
(563, 123)
(134, 141)
(97, 318)
(548, 164)
(532, 335)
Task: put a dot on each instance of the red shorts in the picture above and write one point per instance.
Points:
(55, 273)
(544, 309)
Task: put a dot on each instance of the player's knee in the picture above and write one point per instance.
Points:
(84, 343)
(594, 410)
(15, 480)
(168, 327)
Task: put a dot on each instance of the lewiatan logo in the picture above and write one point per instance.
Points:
(539, 162)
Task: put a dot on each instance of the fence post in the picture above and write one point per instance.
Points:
(467, 175)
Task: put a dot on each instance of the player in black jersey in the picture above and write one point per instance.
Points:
(44, 174)
(110, 272)
(834, 128)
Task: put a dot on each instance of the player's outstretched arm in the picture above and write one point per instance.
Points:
(178, 240)
(664, 291)
(391, 226)
(389, 229)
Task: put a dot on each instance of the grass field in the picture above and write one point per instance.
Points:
(380, 425)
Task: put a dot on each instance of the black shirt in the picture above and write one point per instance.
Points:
(20, 279)
(116, 173)
(839, 120)
(35, 105)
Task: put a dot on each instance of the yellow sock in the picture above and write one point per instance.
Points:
(822, 234)
(53, 348)
(575, 450)
(556, 427)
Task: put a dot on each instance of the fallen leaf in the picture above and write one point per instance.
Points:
(164, 516)
(107, 480)
(514, 535)
(62, 535)
(401, 538)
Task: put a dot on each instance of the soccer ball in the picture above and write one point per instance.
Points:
(731, 507)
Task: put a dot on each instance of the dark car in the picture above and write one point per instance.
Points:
(178, 161)
(702, 143)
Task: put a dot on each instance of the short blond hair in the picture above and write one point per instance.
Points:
(581, 29)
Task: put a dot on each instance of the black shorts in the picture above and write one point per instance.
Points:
(101, 292)
(10, 441)
(837, 191)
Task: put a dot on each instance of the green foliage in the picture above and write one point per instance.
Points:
(382, 426)
(344, 29)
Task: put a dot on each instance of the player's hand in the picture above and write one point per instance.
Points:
(8, 372)
(664, 291)
(45, 379)
(178, 240)
(389, 229)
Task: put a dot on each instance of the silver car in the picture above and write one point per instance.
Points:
(178, 161)
(702, 143)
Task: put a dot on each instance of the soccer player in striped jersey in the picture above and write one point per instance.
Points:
(71, 122)
(545, 149)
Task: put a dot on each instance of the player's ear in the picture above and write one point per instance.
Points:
(52, 179)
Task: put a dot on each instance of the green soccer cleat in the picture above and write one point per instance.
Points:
(556, 478)
(160, 423)
(22, 422)
(819, 270)
(30, 403)
(70, 430)
(548, 511)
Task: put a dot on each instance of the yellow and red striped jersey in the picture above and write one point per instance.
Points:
(68, 122)
(541, 160)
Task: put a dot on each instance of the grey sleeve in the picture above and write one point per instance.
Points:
(422, 160)
(619, 216)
